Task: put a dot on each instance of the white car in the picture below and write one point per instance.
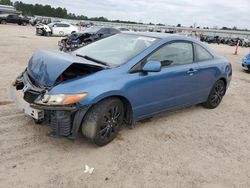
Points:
(55, 29)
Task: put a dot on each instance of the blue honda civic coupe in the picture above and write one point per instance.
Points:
(117, 81)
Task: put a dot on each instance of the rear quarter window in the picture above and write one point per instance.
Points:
(202, 54)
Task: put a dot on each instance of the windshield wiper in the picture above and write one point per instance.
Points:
(92, 59)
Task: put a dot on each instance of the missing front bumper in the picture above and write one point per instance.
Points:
(17, 97)
(64, 120)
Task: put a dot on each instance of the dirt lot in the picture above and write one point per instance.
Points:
(190, 148)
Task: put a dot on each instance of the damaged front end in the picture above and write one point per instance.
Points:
(61, 112)
(61, 118)
(76, 40)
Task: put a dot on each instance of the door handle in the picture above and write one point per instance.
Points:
(192, 71)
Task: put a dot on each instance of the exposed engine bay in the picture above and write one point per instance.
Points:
(76, 70)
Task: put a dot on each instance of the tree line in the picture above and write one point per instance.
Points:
(47, 10)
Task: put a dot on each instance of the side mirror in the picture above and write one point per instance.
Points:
(152, 66)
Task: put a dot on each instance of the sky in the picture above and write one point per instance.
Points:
(203, 13)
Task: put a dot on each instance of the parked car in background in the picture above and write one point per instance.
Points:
(245, 42)
(210, 39)
(118, 80)
(55, 29)
(91, 34)
(122, 29)
(43, 29)
(231, 41)
(40, 20)
(20, 20)
(246, 62)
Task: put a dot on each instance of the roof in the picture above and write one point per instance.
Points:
(150, 34)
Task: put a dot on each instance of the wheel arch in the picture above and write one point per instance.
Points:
(80, 115)
(127, 105)
(224, 80)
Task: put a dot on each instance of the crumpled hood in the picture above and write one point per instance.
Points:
(46, 66)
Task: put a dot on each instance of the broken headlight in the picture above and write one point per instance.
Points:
(60, 99)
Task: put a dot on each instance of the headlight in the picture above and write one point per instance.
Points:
(60, 99)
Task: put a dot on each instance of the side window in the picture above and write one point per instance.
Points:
(65, 25)
(177, 53)
(202, 54)
(61, 25)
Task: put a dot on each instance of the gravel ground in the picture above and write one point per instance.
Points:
(189, 148)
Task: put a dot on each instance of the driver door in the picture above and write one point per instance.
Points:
(173, 86)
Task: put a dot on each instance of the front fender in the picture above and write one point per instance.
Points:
(93, 99)
(106, 95)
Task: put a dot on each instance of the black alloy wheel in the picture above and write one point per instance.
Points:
(216, 95)
(103, 121)
(111, 121)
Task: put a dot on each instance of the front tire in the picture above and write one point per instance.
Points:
(216, 95)
(48, 34)
(104, 120)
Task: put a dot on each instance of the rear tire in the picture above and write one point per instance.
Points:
(216, 95)
(104, 120)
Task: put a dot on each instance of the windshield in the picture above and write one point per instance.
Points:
(92, 30)
(117, 49)
(51, 24)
